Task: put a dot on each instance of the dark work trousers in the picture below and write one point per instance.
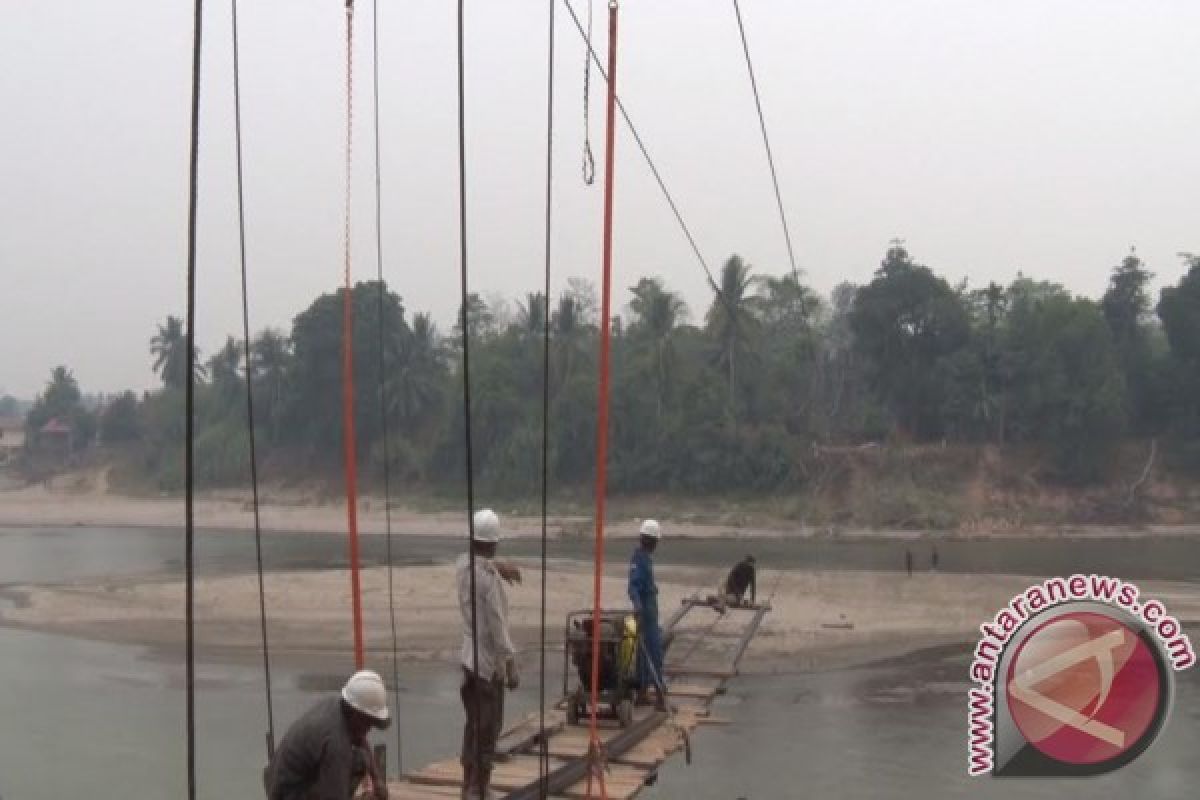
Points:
(484, 703)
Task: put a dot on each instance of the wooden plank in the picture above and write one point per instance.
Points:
(648, 753)
(713, 671)
(404, 790)
(692, 690)
(526, 733)
(572, 775)
(620, 783)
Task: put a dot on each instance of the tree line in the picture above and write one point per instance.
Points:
(735, 397)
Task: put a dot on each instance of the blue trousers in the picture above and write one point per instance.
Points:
(653, 655)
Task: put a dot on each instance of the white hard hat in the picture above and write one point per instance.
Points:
(487, 526)
(650, 528)
(365, 692)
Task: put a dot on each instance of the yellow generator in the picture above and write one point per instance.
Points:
(620, 643)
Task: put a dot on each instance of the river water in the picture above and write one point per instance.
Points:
(90, 720)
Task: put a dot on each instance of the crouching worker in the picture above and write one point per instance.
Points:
(742, 578)
(484, 682)
(325, 755)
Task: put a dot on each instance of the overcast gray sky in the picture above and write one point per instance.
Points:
(1038, 135)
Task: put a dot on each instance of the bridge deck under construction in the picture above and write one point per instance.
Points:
(705, 651)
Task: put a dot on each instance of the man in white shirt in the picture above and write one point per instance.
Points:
(484, 683)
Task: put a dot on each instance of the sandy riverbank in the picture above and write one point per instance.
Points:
(93, 506)
(309, 612)
(97, 508)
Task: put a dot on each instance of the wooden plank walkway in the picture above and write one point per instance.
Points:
(706, 648)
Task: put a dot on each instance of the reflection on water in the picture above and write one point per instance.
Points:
(61, 554)
(91, 720)
(895, 731)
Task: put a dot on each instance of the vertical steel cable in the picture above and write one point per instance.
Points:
(762, 123)
(383, 398)
(466, 345)
(544, 745)
(189, 530)
(258, 552)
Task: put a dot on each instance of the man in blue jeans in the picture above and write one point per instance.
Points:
(643, 593)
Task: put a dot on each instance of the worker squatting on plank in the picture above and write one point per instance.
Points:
(742, 578)
(484, 683)
(324, 754)
(643, 593)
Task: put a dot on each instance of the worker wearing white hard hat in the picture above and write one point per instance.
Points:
(325, 753)
(643, 593)
(488, 659)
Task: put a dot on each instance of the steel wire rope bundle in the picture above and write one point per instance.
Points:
(250, 425)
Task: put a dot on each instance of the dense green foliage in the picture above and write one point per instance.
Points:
(735, 397)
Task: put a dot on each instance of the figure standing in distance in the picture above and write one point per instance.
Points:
(908, 561)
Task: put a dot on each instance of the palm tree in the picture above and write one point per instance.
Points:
(731, 320)
(568, 325)
(169, 348)
(225, 369)
(657, 312)
(415, 386)
(270, 362)
(531, 315)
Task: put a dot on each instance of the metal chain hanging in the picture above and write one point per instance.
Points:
(589, 163)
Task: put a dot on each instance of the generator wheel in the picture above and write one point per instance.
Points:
(625, 712)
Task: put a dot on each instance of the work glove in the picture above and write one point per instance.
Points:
(511, 679)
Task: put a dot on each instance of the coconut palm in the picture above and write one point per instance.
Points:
(169, 348)
(414, 387)
(225, 369)
(657, 312)
(731, 319)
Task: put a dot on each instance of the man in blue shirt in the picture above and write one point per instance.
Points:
(643, 593)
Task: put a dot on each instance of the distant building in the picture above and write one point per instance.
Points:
(12, 439)
(56, 437)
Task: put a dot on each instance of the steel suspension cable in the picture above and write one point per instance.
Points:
(602, 401)
(189, 529)
(466, 347)
(241, 209)
(658, 178)
(383, 394)
(762, 123)
(544, 744)
(349, 443)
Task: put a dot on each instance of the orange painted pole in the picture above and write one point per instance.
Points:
(602, 413)
(349, 445)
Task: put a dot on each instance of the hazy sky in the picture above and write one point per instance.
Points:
(1038, 135)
